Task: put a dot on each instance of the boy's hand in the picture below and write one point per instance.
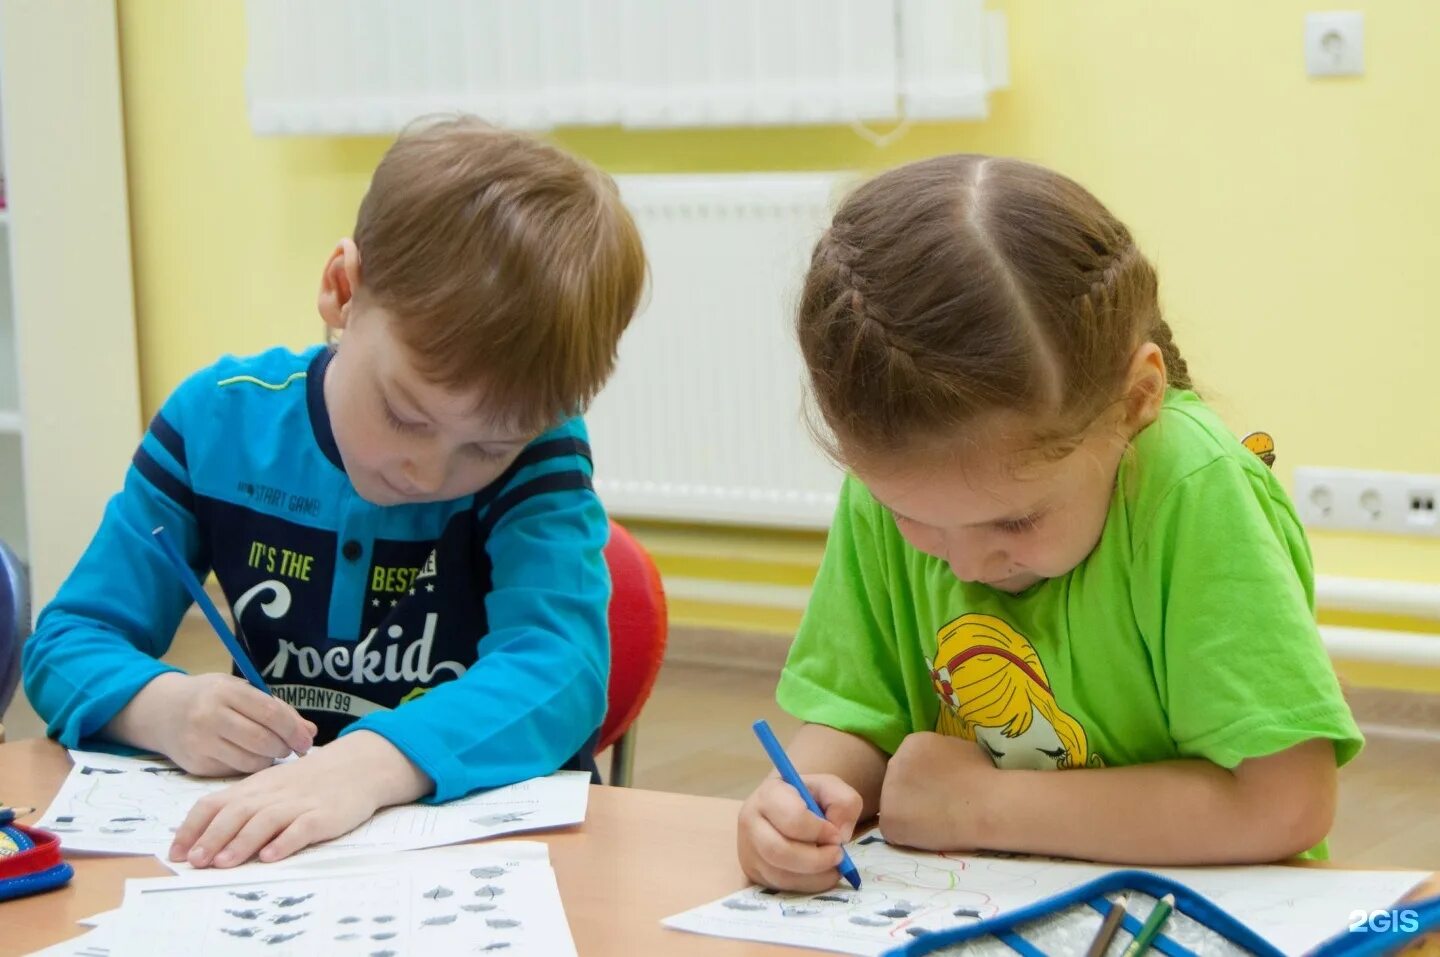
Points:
(783, 845)
(212, 725)
(934, 791)
(278, 811)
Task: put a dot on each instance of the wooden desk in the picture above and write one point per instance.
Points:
(640, 856)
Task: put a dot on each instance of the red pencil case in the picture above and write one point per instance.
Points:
(30, 859)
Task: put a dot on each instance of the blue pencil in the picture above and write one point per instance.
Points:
(197, 592)
(792, 777)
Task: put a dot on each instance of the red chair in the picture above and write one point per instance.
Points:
(638, 628)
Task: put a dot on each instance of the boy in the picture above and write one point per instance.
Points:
(403, 523)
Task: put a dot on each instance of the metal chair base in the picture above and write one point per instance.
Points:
(622, 759)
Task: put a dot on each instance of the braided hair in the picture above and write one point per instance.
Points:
(964, 284)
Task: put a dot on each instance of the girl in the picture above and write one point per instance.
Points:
(1062, 610)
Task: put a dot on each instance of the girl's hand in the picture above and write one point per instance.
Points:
(785, 846)
(278, 811)
(934, 793)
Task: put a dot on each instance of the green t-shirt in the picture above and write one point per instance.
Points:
(1188, 632)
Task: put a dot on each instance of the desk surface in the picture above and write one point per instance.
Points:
(616, 880)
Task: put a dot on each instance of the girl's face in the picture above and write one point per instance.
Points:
(999, 516)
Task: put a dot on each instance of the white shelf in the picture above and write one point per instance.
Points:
(10, 422)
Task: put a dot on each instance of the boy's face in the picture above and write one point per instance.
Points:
(403, 439)
(997, 524)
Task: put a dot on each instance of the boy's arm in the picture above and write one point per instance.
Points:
(533, 698)
(98, 642)
(537, 691)
(92, 668)
(1173, 812)
(283, 808)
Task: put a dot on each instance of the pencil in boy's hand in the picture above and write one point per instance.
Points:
(1106, 934)
(792, 777)
(212, 614)
(1151, 928)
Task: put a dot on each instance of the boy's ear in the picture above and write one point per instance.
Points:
(338, 283)
(1145, 386)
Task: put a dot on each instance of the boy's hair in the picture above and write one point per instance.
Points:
(964, 284)
(508, 264)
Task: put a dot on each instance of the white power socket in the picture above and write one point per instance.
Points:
(1393, 503)
(1335, 43)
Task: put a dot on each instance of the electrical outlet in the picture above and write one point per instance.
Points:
(1335, 43)
(1392, 503)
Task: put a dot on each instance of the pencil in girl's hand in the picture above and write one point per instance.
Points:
(781, 760)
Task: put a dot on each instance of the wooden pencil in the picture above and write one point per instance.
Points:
(1107, 931)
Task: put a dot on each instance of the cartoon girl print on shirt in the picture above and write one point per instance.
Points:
(993, 691)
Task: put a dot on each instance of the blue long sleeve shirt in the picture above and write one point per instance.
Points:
(471, 633)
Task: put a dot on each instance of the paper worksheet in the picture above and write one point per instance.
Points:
(905, 893)
(474, 899)
(123, 805)
(95, 943)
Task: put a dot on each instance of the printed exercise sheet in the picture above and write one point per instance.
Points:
(124, 805)
(499, 897)
(905, 893)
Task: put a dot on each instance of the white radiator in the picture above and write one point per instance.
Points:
(702, 420)
(370, 66)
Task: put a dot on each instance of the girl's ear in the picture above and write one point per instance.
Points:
(1145, 386)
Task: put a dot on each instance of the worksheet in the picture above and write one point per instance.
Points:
(123, 805)
(499, 897)
(904, 893)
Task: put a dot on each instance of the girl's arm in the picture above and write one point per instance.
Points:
(780, 842)
(817, 749)
(944, 794)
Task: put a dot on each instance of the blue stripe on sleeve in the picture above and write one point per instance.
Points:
(568, 481)
(174, 489)
(172, 441)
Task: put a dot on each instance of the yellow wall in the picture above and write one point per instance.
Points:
(1295, 222)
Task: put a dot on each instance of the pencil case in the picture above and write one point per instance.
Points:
(30, 860)
(1066, 924)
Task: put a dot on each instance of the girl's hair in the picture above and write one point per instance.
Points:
(964, 284)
